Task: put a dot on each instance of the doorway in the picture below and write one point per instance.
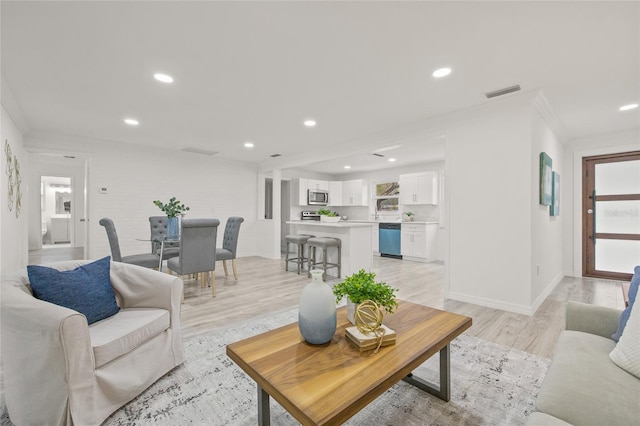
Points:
(56, 199)
(611, 215)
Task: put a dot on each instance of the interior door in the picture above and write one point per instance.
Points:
(611, 215)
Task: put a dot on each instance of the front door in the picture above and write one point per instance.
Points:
(611, 215)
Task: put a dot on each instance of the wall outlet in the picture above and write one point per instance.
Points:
(103, 190)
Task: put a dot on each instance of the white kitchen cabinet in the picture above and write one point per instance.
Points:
(419, 188)
(335, 193)
(418, 241)
(375, 238)
(355, 192)
(300, 191)
(319, 185)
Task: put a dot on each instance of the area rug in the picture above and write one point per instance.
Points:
(490, 385)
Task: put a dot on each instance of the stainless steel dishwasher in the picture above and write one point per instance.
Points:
(389, 240)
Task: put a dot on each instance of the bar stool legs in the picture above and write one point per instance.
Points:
(300, 240)
(324, 243)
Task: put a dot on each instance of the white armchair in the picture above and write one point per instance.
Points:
(58, 370)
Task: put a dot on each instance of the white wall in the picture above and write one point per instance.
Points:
(13, 230)
(135, 176)
(571, 202)
(489, 190)
(546, 230)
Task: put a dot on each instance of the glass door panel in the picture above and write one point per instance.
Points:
(618, 217)
(618, 178)
(617, 255)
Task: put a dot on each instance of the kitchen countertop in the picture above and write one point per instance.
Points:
(394, 221)
(340, 224)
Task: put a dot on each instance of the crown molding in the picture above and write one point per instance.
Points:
(549, 115)
(13, 109)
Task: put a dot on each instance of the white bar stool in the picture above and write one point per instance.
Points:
(324, 243)
(300, 240)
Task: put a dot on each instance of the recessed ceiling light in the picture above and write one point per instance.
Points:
(163, 78)
(442, 72)
(248, 144)
(131, 121)
(347, 167)
(628, 107)
(391, 160)
(310, 123)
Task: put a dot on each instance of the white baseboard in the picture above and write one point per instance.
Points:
(509, 307)
(546, 292)
(491, 303)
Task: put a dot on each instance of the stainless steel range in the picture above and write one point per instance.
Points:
(309, 215)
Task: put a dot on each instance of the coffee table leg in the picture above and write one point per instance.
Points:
(443, 391)
(264, 416)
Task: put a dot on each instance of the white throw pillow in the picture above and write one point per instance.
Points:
(626, 354)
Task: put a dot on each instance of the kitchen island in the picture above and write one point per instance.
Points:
(355, 237)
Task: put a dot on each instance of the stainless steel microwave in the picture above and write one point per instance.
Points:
(317, 198)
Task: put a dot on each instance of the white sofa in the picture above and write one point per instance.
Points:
(58, 370)
(583, 386)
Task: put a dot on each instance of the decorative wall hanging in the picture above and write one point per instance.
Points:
(14, 180)
(18, 185)
(554, 208)
(546, 179)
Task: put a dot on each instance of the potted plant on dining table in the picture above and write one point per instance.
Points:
(174, 210)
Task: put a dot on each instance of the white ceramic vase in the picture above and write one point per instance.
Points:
(317, 311)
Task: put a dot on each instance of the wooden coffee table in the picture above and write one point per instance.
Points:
(327, 384)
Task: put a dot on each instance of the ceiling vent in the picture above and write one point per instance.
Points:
(503, 91)
(275, 155)
(199, 151)
(378, 154)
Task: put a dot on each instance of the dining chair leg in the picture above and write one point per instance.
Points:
(224, 263)
(235, 270)
(213, 283)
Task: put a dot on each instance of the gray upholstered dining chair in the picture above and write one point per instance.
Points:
(230, 244)
(158, 225)
(148, 260)
(197, 250)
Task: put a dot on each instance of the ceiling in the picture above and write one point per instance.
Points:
(254, 71)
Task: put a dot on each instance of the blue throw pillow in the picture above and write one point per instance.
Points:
(86, 289)
(633, 292)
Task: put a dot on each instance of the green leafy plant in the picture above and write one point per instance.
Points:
(327, 212)
(362, 286)
(172, 208)
(409, 214)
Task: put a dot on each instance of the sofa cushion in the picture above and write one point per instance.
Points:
(633, 293)
(541, 419)
(626, 354)
(584, 387)
(123, 332)
(86, 289)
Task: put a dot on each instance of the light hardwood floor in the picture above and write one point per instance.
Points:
(264, 287)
